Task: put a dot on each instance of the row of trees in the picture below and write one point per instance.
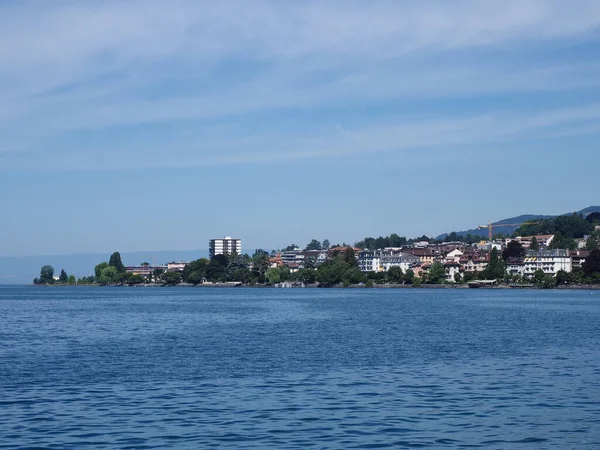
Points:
(47, 276)
(566, 229)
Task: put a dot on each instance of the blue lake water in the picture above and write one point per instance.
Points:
(298, 368)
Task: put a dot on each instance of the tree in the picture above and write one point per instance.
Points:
(197, 266)
(409, 276)
(350, 257)
(99, 268)
(353, 275)
(538, 277)
(495, 268)
(562, 241)
(115, 261)
(593, 217)
(46, 275)
(171, 278)
(563, 277)
(325, 245)
(292, 247)
(135, 279)
(593, 241)
(437, 273)
(215, 270)
(63, 277)
(591, 266)
(273, 275)
(196, 277)
(260, 262)
(514, 249)
(457, 277)
(307, 276)
(108, 275)
(123, 277)
(313, 245)
(72, 280)
(534, 245)
(156, 273)
(395, 275)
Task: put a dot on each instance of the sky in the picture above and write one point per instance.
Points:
(158, 125)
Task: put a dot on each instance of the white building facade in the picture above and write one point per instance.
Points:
(224, 246)
(549, 261)
(381, 261)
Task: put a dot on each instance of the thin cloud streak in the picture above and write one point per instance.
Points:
(436, 134)
(81, 68)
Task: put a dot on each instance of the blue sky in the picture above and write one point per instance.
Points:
(160, 124)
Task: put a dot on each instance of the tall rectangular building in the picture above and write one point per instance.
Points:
(225, 246)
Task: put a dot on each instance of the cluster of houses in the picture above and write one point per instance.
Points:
(456, 257)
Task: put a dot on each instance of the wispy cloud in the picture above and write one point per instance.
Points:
(90, 74)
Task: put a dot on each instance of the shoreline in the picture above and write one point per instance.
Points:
(590, 287)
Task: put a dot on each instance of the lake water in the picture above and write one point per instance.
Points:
(298, 368)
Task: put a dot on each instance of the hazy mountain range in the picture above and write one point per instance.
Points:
(483, 232)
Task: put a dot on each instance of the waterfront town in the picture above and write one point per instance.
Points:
(569, 256)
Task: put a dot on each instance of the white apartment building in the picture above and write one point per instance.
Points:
(224, 246)
(381, 261)
(550, 261)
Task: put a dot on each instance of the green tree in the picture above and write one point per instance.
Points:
(115, 261)
(563, 277)
(514, 249)
(157, 273)
(591, 266)
(538, 277)
(135, 279)
(99, 268)
(307, 276)
(325, 245)
(71, 281)
(534, 245)
(350, 257)
(437, 273)
(198, 266)
(593, 217)
(457, 277)
(123, 277)
(260, 262)
(216, 269)
(108, 275)
(409, 276)
(63, 277)
(593, 241)
(273, 275)
(495, 269)
(46, 275)
(395, 275)
(353, 275)
(313, 245)
(171, 278)
(196, 277)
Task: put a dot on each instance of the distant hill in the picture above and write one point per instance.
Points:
(483, 232)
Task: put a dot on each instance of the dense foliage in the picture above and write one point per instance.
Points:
(564, 228)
